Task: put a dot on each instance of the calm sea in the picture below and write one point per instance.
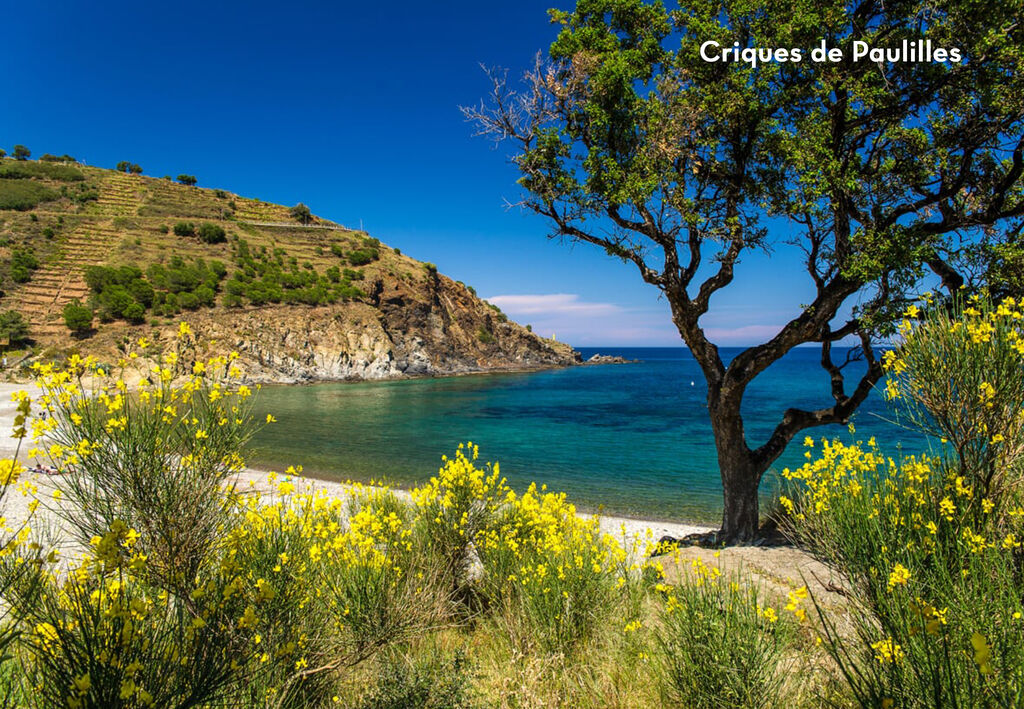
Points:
(634, 438)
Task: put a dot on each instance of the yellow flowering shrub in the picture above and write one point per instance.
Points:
(931, 543)
(720, 642)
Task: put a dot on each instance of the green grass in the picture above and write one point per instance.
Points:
(22, 195)
(18, 170)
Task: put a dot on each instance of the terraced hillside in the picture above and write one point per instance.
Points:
(300, 301)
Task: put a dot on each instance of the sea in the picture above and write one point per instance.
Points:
(630, 440)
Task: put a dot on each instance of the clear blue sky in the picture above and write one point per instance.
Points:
(351, 108)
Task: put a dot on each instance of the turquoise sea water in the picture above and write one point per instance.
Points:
(634, 438)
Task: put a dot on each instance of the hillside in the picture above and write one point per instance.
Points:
(299, 301)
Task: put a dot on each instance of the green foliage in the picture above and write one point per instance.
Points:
(21, 152)
(24, 195)
(485, 336)
(39, 170)
(184, 229)
(266, 277)
(77, 317)
(301, 213)
(434, 682)
(210, 233)
(13, 326)
(23, 263)
(189, 180)
(124, 292)
(931, 544)
(361, 257)
(717, 647)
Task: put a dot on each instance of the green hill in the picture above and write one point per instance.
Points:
(305, 298)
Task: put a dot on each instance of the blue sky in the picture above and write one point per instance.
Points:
(352, 109)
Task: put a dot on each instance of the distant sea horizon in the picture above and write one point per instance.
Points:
(632, 440)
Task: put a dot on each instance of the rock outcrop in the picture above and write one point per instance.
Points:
(610, 359)
(434, 327)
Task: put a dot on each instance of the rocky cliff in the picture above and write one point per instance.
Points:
(436, 329)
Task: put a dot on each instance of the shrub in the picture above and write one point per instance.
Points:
(21, 152)
(23, 263)
(301, 213)
(718, 645)
(26, 170)
(184, 229)
(931, 544)
(135, 313)
(211, 233)
(434, 682)
(485, 336)
(361, 257)
(189, 180)
(13, 326)
(77, 317)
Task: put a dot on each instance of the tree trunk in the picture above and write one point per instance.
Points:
(741, 475)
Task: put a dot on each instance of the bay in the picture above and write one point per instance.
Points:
(631, 439)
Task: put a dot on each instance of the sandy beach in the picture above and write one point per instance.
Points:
(15, 505)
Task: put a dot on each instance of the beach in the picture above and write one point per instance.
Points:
(16, 505)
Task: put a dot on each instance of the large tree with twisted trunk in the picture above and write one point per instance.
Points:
(884, 173)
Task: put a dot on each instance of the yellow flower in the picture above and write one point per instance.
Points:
(947, 508)
(82, 683)
(271, 419)
(184, 329)
(982, 653)
(899, 576)
(47, 633)
(10, 470)
(887, 651)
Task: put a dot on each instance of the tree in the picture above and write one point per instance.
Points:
(21, 152)
(301, 213)
(3, 153)
(13, 326)
(77, 317)
(136, 169)
(189, 180)
(123, 166)
(880, 171)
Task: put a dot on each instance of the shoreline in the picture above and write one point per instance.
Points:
(615, 524)
(332, 477)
